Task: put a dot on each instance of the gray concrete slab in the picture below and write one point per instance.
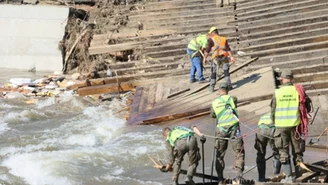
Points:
(29, 36)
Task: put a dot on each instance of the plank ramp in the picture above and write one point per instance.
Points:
(262, 80)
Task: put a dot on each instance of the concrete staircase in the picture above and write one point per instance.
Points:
(287, 34)
(183, 19)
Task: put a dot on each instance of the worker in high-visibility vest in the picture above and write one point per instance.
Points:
(195, 50)
(180, 141)
(264, 136)
(221, 56)
(286, 117)
(224, 109)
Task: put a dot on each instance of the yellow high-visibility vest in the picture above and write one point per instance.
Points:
(287, 107)
(198, 42)
(222, 111)
(265, 121)
(178, 133)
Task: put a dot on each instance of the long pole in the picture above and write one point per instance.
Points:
(203, 161)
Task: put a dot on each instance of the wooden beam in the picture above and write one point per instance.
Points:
(200, 175)
(307, 176)
(177, 93)
(222, 76)
(109, 88)
(136, 101)
(317, 168)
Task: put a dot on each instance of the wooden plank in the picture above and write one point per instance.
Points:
(109, 88)
(159, 92)
(151, 97)
(222, 76)
(136, 101)
(173, 117)
(144, 99)
(143, 33)
(317, 168)
(307, 176)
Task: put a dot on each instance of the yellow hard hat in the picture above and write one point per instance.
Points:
(212, 29)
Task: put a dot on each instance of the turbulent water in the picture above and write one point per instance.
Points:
(70, 141)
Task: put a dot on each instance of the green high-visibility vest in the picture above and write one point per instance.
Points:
(287, 107)
(178, 133)
(265, 121)
(222, 111)
(198, 42)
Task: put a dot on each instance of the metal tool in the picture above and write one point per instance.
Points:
(317, 139)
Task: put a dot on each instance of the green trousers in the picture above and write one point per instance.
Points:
(285, 137)
(237, 147)
(261, 143)
(183, 146)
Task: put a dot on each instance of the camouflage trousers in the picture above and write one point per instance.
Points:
(183, 146)
(237, 145)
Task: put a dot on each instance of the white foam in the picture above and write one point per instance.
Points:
(23, 116)
(37, 168)
(3, 127)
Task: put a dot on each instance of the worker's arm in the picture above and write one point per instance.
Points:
(212, 113)
(232, 59)
(201, 135)
(273, 108)
(210, 44)
(170, 156)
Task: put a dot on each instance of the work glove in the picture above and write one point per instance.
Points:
(202, 139)
(163, 169)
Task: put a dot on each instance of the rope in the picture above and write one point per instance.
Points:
(302, 129)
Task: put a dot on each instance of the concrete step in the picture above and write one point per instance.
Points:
(290, 49)
(202, 6)
(292, 56)
(258, 5)
(184, 20)
(292, 17)
(151, 16)
(151, 5)
(201, 24)
(298, 34)
(310, 69)
(283, 24)
(286, 43)
(169, 59)
(166, 53)
(289, 64)
(282, 31)
(315, 84)
(281, 11)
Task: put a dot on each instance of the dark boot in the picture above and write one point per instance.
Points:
(189, 180)
(276, 166)
(298, 171)
(287, 169)
(261, 171)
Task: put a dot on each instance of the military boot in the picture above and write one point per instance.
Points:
(287, 169)
(276, 166)
(298, 171)
(189, 180)
(261, 171)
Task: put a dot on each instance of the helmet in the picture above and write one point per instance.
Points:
(212, 29)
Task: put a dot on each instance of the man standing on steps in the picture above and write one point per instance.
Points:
(179, 141)
(221, 52)
(224, 109)
(286, 116)
(195, 52)
(264, 135)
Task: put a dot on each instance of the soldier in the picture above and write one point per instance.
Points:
(264, 135)
(179, 141)
(224, 109)
(285, 114)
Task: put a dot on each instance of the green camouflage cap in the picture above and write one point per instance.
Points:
(223, 86)
(287, 73)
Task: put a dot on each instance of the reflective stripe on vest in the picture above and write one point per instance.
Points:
(219, 48)
(198, 42)
(223, 113)
(287, 107)
(265, 121)
(178, 133)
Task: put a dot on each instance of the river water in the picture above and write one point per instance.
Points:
(69, 140)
